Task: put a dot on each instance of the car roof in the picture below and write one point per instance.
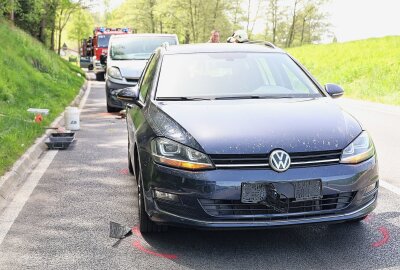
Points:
(219, 47)
(142, 35)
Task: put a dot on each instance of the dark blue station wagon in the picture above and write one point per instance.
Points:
(242, 136)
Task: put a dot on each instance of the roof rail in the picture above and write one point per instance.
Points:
(265, 43)
(270, 44)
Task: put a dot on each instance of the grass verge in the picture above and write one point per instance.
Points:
(366, 69)
(31, 77)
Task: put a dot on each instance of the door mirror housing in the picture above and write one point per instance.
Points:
(334, 90)
(130, 95)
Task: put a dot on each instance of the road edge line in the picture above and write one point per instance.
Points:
(389, 187)
(8, 217)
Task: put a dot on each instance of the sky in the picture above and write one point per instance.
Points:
(350, 19)
(360, 19)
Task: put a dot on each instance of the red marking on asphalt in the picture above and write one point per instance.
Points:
(140, 247)
(124, 171)
(368, 218)
(384, 240)
(135, 231)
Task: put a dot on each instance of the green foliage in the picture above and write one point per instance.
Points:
(32, 77)
(366, 69)
(80, 26)
(288, 22)
(191, 20)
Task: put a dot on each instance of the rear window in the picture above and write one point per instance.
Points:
(137, 47)
(233, 74)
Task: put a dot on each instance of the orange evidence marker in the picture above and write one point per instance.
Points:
(38, 118)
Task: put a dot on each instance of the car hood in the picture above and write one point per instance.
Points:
(259, 126)
(129, 68)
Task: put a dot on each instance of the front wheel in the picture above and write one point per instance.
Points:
(146, 225)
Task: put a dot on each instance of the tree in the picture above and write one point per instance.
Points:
(65, 9)
(80, 26)
(191, 20)
(8, 8)
(291, 33)
(237, 14)
(273, 16)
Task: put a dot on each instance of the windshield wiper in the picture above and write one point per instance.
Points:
(181, 98)
(237, 97)
(253, 97)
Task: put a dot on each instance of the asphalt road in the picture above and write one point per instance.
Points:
(65, 222)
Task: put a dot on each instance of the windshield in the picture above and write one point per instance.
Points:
(137, 47)
(233, 75)
(103, 41)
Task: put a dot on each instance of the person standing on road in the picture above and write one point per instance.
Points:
(214, 38)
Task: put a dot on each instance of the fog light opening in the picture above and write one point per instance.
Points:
(370, 188)
(166, 196)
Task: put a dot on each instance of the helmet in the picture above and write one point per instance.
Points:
(239, 36)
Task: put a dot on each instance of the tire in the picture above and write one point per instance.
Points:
(145, 223)
(111, 109)
(131, 171)
(100, 76)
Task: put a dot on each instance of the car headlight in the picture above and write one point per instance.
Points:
(361, 149)
(170, 153)
(114, 72)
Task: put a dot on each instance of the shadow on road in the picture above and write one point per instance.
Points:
(370, 244)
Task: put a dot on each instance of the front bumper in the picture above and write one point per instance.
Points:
(224, 185)
(164, 217)
(111, 91)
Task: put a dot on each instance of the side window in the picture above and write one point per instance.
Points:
(148, 77)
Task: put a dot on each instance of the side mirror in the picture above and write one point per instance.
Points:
(90, 67)
(103, 59)
(334, 90)
(130, 95)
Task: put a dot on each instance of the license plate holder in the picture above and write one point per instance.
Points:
(307, 190)
(253, 192)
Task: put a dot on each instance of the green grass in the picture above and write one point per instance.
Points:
(31, 76)
(366, 69)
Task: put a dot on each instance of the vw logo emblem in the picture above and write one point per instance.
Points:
(279, 160)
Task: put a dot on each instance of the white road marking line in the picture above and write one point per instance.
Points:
(85, 97)
(14, 208)
(389, 187)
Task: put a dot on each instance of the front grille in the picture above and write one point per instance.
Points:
(237, 209)
(132, 80)
(305, 159)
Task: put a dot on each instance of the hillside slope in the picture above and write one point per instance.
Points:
(31, 76)
(366, 69)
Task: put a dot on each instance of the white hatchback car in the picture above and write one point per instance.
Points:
(126, 58)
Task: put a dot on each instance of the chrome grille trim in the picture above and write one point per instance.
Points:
(261, 165)
(315, 161)
(223, 161)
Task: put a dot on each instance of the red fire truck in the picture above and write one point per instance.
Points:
(94, 50)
